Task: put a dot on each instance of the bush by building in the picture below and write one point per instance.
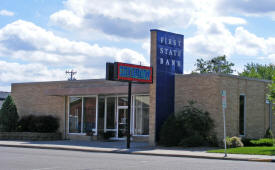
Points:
(33, 123)
(268, 134)
(263, 142)
(8, 115)
(258, 142)
(234, 142)
(190, 127)
(247, 141)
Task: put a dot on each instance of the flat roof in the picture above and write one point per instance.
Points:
(224, 75)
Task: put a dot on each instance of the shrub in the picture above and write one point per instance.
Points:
(263, 142)
(183, 127)
(8, 115)
(247, 142)
(26, 123)
(268, 134)
(33, 123)
(171, 134)
(212, 140)
(194, 140)
(234, 142)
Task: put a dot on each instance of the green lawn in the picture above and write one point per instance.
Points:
(248, 150)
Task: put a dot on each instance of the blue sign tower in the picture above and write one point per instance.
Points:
(167, 60)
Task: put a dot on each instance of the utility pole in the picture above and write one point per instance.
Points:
(71, 74)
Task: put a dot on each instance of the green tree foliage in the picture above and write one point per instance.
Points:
(8, 115)
(259, 71)
(216, 64)
(271, 95)
(190, 127)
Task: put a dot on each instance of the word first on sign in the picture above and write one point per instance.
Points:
(129, 72)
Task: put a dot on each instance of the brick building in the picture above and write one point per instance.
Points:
(101, 106)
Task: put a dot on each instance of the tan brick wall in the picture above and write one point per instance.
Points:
(31, 99)
(202, 89)
(206, 90)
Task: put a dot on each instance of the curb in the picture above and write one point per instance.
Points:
(125, 151)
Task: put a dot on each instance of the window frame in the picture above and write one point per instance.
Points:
(82, 113)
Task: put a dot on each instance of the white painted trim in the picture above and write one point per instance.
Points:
(116, 117)
(96, 118)
(133, 114)
(105, 114)
(68, 118)
(82, 115)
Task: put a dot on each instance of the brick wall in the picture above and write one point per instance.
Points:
(50, 98)
(30, 98)
(205, 89)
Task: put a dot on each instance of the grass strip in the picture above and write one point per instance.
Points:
(247, 150)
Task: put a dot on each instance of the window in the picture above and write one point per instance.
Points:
(89, 115)
(101, 110)
(141, 126)
(82, 114)
(242, 115)
(75, 115)
(111, 113)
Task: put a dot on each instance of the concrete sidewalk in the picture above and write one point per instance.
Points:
(139, 148)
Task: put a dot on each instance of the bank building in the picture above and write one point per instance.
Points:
(101, 106)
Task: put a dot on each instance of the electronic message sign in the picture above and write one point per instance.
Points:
(129, 72)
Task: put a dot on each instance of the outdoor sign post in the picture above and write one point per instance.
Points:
(132, 74)
(224, 125)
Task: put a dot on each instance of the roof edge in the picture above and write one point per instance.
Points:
(224, 75)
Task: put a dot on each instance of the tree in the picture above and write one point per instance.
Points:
(271, 95)
(259, 71)
(216, 64)
(8, 115)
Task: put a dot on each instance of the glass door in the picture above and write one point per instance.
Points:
(122, 122)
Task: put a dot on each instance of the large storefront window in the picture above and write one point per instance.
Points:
(108, 114)
(111, 113)
(141, 115)
(82, 115)
(89, 115)
(75, 114)
(101, 112)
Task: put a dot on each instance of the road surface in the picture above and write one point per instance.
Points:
(45, 159)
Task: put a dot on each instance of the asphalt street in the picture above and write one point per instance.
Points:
(45, 159)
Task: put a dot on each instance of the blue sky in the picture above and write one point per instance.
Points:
(41, 39)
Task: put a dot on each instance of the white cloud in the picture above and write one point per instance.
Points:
(119, 18)
(208, 19)
(6, 13)
(247, 7)
(31, 53)
(16, 72)
(26, 41)
(248, 44)
(67, 19)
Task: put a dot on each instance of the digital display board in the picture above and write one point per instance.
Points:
(129, 72)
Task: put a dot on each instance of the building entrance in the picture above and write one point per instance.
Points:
(122, 122)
